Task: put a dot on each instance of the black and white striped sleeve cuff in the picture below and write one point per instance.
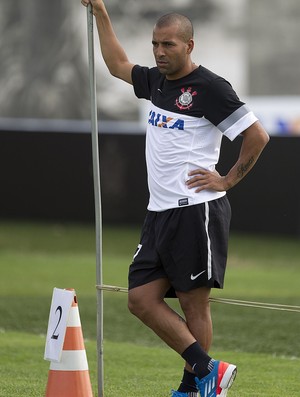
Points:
(237, 122)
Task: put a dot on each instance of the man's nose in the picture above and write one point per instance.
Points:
(160, 51)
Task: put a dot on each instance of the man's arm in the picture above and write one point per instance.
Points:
(255, 139)
(113, 53)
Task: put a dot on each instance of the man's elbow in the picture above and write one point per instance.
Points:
(113, 70)
(114, 73)
(264, 138)
(258, 132)
(122, 72)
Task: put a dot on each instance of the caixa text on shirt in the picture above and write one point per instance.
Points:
(163, 121)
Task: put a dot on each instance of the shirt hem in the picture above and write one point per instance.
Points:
(192, 201)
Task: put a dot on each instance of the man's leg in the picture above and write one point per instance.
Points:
(196, 307)
(147, 303)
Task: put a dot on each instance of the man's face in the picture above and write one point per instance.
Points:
(171, 52)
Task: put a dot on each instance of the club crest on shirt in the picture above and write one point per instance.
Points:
(185, 101)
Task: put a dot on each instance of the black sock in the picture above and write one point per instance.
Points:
(188, 384)
(198, 359)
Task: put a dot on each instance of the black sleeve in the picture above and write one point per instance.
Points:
(221, 101)
(141, 81)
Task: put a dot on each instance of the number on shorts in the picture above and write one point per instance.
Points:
(139, 247)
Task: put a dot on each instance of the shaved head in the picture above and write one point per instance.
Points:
(185, 26)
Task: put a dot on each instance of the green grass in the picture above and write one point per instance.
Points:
(128, 373)
(35, 258)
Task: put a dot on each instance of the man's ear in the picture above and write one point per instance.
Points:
(190, 46)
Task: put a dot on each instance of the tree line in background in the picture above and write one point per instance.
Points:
(43, 64)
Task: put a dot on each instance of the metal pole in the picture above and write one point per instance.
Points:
(97, 193)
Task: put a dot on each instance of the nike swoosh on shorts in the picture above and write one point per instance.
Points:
(197, 275)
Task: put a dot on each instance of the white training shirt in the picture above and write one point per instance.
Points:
(186, 123)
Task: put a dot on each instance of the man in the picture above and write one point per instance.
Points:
(183, 245)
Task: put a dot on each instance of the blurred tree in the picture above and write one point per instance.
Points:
(41, 66)
(274, 52)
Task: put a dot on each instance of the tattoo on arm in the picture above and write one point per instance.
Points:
(244, 168)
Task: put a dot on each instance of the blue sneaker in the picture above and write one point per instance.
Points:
(176, 393)
(218, 381)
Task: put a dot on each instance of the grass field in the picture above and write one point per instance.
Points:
(35, 258)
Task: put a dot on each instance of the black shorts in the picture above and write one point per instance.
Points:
(188, 246)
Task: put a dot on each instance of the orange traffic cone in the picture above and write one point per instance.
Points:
(70, 377)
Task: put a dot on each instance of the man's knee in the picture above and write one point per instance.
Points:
(137, 305)
(144, 300)
(195, 302)
(132, 304)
